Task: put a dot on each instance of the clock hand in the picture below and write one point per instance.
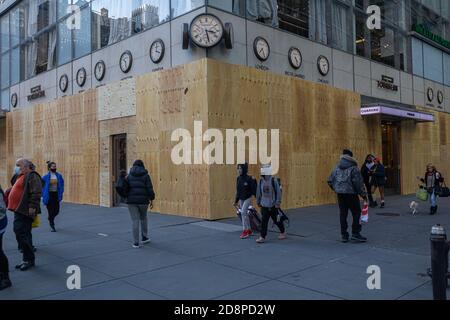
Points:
(207, 35)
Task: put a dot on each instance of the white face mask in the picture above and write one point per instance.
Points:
(17, 170)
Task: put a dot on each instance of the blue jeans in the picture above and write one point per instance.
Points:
(433, 198)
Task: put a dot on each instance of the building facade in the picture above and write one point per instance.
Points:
(94, 85)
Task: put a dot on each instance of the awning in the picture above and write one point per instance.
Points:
(399, 114)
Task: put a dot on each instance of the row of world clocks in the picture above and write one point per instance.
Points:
(157, 50)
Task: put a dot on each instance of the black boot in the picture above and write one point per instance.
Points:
(5, 282)
(433, 210)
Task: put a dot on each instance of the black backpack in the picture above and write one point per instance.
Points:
(122, 187)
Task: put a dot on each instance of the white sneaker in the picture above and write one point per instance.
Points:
(136, 246)
(145, 240)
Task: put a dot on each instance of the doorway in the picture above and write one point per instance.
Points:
(119, 163)
(391, 155)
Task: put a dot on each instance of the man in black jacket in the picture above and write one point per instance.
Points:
(139, 197)
(245, 189)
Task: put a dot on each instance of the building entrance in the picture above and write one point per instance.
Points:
(119, 163)
(391, 155)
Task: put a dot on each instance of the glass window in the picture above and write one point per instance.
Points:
(5, 101)
(40, 14)
(401, 43)
(111, 22)
(148, 13)
(82, 36)
(342, 27)
(293, 16)
(447, 69)
(362, 35)
(17, 25)
(318, 22)
(180, 7)
(5, 70)
(64, 8)
(64, 47)
(432, 65)
(236, 6)
(46, 44)
(417, 57)
(15, 66)
(29, 51)
(4, 25)
(383, 46)
(265, 11)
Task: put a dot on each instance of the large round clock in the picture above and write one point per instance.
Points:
(63, 83)
(323, 65)
(295, 58)
(100, 70)
(440, 97)
(14, 100)
(81, 77)
(126, 61)
(157, 50)
(430, 94)
(206, 30)
(261, 48)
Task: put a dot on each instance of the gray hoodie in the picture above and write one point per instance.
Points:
(346, 178)
(266, 196)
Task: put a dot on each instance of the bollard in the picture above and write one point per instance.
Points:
(439, 262)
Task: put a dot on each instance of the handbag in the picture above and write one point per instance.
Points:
(37, 221)
(443, 192)
(422, 194)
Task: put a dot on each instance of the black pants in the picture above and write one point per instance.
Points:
(4, 268)
(53, 207)
(349, 202)
(268, 213)
(22, 229)
(369, 191)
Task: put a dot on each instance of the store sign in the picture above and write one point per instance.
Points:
(420, 116)
(36, 93)
(422, 30)
(387, 83)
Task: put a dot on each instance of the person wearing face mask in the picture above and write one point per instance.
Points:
(245, 189)
(52, 192)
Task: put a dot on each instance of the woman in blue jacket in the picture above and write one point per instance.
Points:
(4, 268)
(52, 192)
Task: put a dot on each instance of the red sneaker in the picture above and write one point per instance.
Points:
(244, 234)
(249, 232)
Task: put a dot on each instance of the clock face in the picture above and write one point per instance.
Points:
(81, 77)
(430, 94)
(14, 100)
(440, 97)
(63, 83)
(100, 70)
(323, 65)
(126, 61)
(157, 50)
(261, 48)
(295, 58)
(206, 30)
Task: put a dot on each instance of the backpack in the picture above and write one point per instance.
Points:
(253, 217)
(122, 187)
(274, 187)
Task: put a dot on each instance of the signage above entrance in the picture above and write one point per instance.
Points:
(36, 93)
(387, 83)
(400, 113)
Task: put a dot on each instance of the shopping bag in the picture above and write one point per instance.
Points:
(36, 221)
(443, 191)
(422, 194)
(365, 214)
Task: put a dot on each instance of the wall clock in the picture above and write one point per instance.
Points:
(63, 83)
(261, 48)
(157, 51)
(81, 77)
(100, 70)
(295, 58)
(323, 65)
(430, 94)
(126, 61)
(206, 30)
(440, 97)
(14, 100)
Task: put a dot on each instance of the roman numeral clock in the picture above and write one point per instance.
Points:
(207, 31)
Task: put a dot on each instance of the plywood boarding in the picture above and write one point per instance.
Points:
(3, 155)
(424, 143)
(64, 131)
(167, 101)
(315, 121)
(117, 100)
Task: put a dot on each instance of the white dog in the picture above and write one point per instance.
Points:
(414, 206)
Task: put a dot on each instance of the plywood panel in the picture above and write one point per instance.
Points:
(117, 100)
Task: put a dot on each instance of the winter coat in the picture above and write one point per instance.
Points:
(366, 173)
(245, 185)
(438, 179)
(3, 216)
(31, 197)
(46, 188)
(346, 178)
(140, 187)
(378, 176)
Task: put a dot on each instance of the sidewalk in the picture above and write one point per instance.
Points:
(194, 259)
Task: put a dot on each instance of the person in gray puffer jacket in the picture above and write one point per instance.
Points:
(346, 180)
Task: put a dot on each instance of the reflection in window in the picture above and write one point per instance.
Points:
(383, 48)
(362, 35)
(64, 48)
(265, 11)
(15, 66)
(82, 37)
(17, 25)
(318, 22)
(341, 27)
(5, 70)
(4, 25)
(148, 13)
(5, 101)
(64, 8)
(294, 16)
(235, 6)
(180, 7)
(402, 51)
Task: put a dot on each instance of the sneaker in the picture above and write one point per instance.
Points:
(250, 232)
(382, 205)
(358, 238)
(136, 245)
(145, 240)
(52, 227)
(345, 238)
(244, 235)
(260, 240)
(282, 236)
(25, 266)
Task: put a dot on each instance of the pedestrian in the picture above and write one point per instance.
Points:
(52, 192)
(5, 282)
(245, 189)
(346, 180)
(367, 172)
(140, 196)
(25, 201)
(432, 180)
(268, 198)
(378, 180)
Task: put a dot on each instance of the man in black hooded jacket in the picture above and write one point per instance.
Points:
(245, 189)
(139, 197)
